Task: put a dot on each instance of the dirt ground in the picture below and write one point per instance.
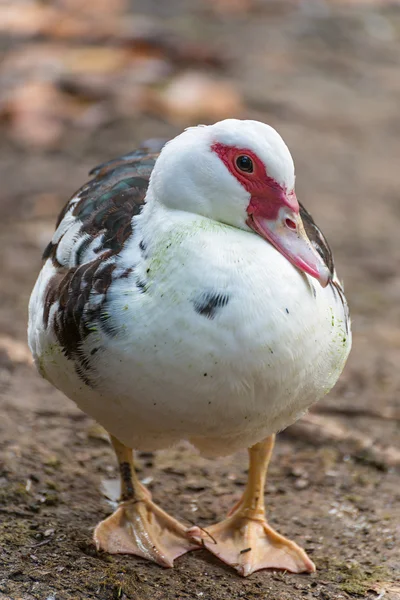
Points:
(326, 75)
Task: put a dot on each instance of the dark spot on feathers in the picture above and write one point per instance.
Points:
(313, 290)
(51, 252)
(208, 303)
(336, 288)
(321, 246)
(317, 238)
(142, 246)
(287, 310)
(125, 274)
(141, 285)
(48, 251)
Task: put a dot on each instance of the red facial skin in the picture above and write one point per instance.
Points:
(273, 212)
(267, 196)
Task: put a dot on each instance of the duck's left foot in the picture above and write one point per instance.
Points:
(250, 544)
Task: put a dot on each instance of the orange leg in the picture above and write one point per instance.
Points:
(139, 526)
(245, 540)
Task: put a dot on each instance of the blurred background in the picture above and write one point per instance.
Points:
(80, 83)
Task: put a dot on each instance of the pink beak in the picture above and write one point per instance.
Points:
(288, 235)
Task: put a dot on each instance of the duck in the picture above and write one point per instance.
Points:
(187, 294)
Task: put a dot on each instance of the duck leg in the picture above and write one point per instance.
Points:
(245, 540)
(139, 526)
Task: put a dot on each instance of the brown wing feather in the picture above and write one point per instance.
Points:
(104, 208)
(106, 204)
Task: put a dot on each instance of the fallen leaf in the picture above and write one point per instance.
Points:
(73, 26)
(45, 205)
(89, 20)
(318, 429)
(87, 59)
(117, 65)
(193, 96)
(16, 350)
(34, 112)
(30, 61)
(25, 19)
(387, 590)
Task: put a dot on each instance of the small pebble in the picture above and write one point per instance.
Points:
(301, 484)
(48, 532)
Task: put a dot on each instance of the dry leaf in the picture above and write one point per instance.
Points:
(319, 430)
(387, 590)
(51, 61)
(195, 96)
(72, 26)
(34, 112)
(153, 42)
(25, 19)
(32, 60)
(49, 83)
(16, 350)
(97, 59)
(45, 205)
(68, 19)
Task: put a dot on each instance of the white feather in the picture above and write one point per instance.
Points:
(169, 373)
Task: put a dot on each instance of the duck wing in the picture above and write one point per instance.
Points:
(83, 255)
(99, 215)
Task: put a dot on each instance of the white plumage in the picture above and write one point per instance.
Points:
(201, 329)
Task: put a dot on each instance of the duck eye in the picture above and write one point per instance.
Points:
(244, 163)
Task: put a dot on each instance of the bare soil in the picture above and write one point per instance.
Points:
(326, 75)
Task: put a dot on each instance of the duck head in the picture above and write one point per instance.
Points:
(240, 173)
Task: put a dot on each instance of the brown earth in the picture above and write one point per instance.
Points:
(327, 76)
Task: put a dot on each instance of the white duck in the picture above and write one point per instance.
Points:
(201, 305)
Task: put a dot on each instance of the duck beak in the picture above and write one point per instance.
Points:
(287, 234)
